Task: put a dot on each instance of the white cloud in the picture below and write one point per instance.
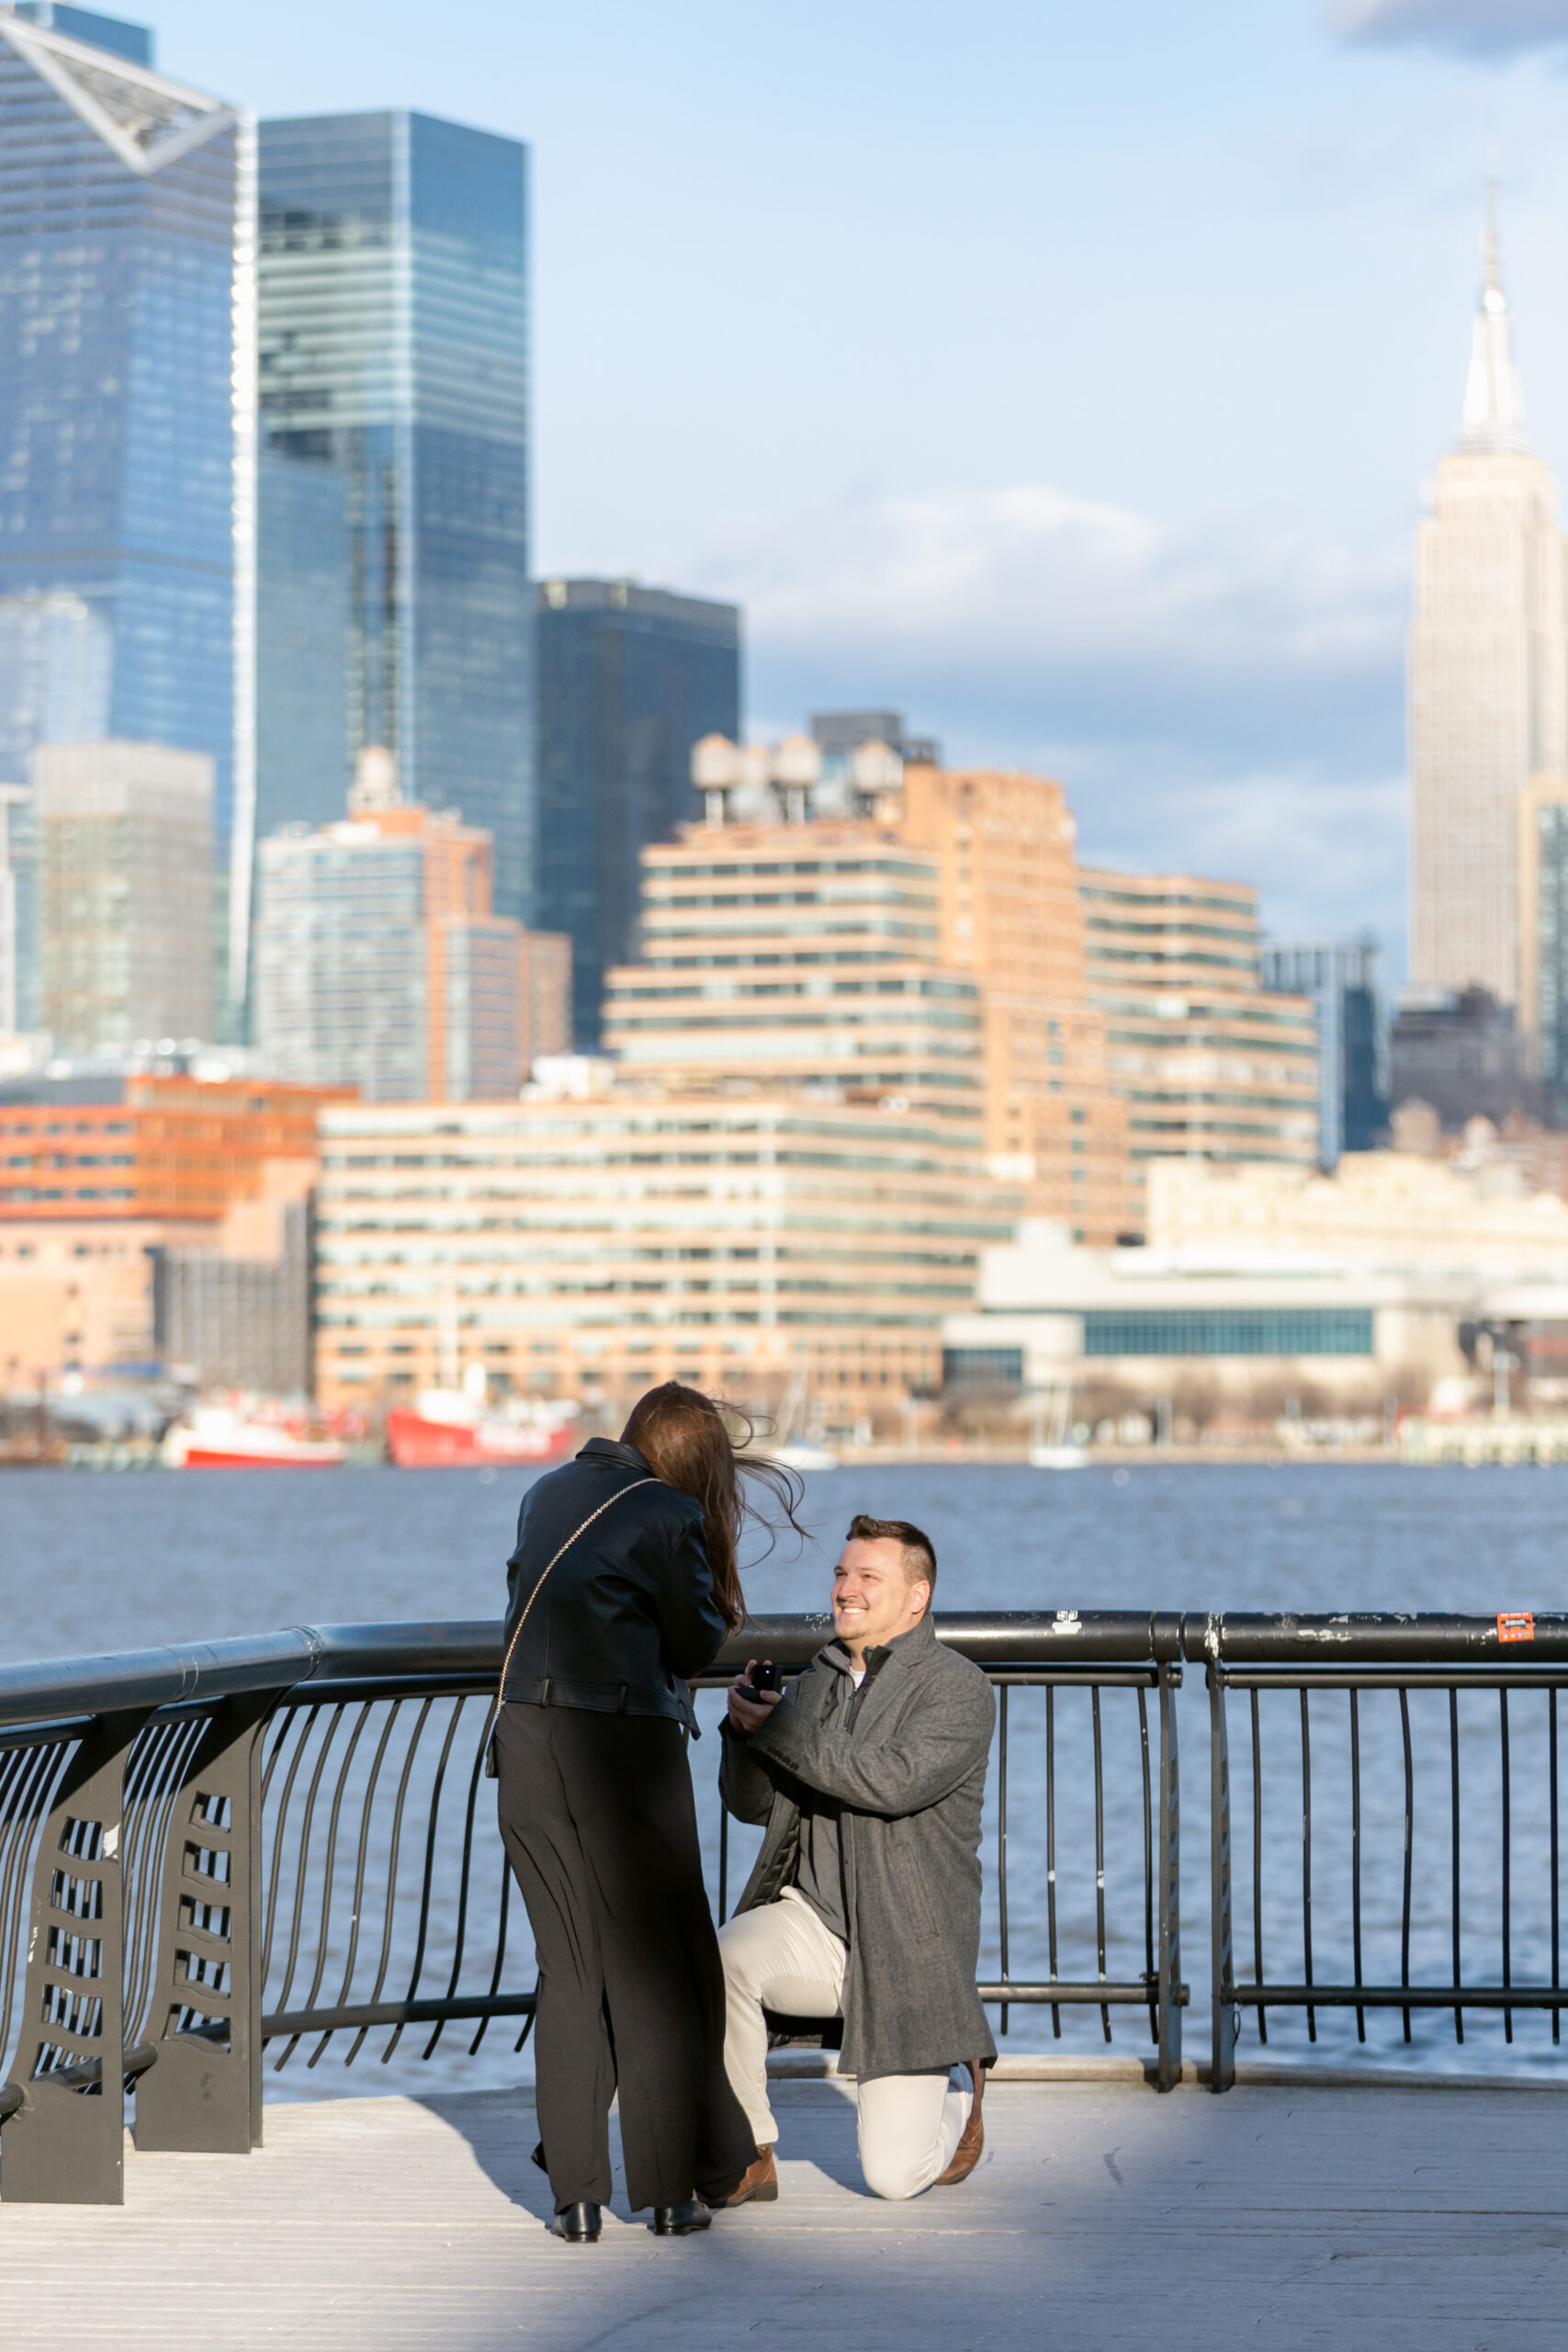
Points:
(1037, 611)
(1477, 28)
(1211, 697)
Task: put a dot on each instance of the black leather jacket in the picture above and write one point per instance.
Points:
(628, 1611)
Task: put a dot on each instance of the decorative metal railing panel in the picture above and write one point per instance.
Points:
(285, 1847)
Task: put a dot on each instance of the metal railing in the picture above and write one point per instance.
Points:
(253, 1851)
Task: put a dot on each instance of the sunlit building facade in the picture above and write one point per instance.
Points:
(380, 963)
(854, 927)
(394, 605)
(1488, 674)
(125, 893)
(754, 1247)
(1210, 1064)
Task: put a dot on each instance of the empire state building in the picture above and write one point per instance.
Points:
(1488, 671)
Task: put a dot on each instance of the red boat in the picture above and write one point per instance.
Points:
(217, 1438)
(448, 1430)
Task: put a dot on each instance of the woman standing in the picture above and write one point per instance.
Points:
(624, 1583)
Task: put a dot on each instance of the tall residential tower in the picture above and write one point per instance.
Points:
(1488, 672)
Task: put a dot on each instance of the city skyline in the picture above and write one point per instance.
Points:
(1173, 570)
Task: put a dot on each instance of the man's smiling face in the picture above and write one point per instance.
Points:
(874, 1598)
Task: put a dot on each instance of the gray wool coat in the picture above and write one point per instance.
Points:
(906, 1758)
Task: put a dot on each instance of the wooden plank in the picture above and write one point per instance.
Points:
(1280, 2220)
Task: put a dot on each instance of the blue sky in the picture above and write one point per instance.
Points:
(1066, 374)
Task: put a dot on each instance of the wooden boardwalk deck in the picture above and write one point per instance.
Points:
(1284, 2218)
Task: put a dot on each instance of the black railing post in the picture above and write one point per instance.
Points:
(1170, 1865)
(204, 2094)
(65, 2145)
(1221, 2063)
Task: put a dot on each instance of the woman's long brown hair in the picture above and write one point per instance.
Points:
(686, 1438)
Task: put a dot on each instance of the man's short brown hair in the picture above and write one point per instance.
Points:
(920, 1551)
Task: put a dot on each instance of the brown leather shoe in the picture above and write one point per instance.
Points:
(972, 2138)
(758, 2184)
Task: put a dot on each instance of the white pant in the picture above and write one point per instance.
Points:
(782, 1957)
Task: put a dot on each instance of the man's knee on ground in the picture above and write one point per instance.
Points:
(889, 2176)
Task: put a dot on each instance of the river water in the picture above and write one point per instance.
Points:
(105, 1562)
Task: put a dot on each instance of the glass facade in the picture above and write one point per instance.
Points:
(629, 679)
(1229, 1331)
(1342, 978)
(393, 601)
(119, 202)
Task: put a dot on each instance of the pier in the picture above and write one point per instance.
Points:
(1287, 2216)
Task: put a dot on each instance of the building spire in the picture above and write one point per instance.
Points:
(1493, 404)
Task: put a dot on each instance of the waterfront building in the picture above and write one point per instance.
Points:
(126, 893)
(1342, 979)
(1398, 1276)
(394, 605)
(763, 1248)
(380, 963)
(1488, 672)
(126, 407)
(804, 958)
(145, 1146)
(163, 1223)
(629, 679)
(1210, 1065)
(884, 933)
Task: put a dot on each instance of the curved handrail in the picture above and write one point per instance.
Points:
(48, 1690)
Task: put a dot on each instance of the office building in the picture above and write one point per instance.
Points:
(838, 734)
(1542, 1010)
(126, 406)
(629, 679)
(163, 1222)
(394, 605)
(125, 893)
(234, 1310)
(1342, 978)
(1464, 1055)
(1276, 1297)
(766, 1248)
(1012, 915)
(1210, 1064)
(884, 933)
(1488, 673)
(16, 895)
(804, 958)
(380, 963)
(175, 1150)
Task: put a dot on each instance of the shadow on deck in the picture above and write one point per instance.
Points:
(1415, 2219)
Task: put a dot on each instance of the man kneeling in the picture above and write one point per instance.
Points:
(870, 1773)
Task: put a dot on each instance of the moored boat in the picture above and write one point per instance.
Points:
(446, 1429)
(215, 1436)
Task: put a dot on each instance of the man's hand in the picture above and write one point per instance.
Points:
(748, 1715)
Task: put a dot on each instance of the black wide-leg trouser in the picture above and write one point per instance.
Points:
(601, 1829)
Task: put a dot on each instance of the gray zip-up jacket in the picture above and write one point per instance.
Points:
(905, 1762)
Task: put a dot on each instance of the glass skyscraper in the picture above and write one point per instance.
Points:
(123, 426)
(393, 600)
(630, 678)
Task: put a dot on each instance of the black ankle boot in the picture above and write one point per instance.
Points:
(578, 2224)
(679, 2221)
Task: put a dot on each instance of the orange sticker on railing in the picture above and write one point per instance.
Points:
(1515, 1625)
